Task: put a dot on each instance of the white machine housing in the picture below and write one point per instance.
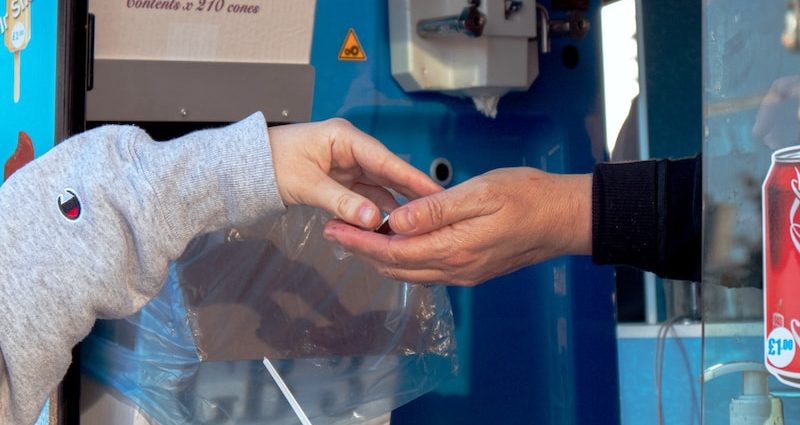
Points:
(503, 58)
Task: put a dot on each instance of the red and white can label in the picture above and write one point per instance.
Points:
(780, 196)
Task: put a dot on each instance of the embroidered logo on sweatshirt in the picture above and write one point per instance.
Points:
(69, 205)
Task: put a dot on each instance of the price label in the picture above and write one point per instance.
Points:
(18, 35)
(780, 347)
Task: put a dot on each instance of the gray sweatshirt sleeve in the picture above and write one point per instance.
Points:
(88, 229)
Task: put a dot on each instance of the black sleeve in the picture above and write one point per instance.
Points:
(648, 214)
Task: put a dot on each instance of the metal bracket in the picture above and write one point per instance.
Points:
(470, 23)
(575, 26)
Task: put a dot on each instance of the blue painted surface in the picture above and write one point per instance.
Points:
(681, 389)
(44, 416)
(673, 65)
(514, 365)
(680, 384)
(35, 113)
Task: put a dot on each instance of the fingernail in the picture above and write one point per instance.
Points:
(366, 216)
(406, 221)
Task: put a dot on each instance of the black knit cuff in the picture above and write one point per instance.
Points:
(648, 215)
(625, 214)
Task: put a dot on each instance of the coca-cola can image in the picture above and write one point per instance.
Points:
(780, 196)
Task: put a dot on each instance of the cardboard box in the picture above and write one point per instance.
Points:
(261, 31)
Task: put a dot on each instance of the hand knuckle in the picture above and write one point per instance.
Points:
(342, 203)
(435, 211)
(390, 273)
(484, 193)
(460, 260)
(395, 254)
(336, 121)
(339, 124)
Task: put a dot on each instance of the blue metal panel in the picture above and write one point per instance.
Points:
(673, 65)
(35, 113)
(536, 346)
(680, 386)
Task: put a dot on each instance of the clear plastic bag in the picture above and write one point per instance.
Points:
(350, 344)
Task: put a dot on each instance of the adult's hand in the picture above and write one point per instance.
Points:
(334, 166)
(490, 225)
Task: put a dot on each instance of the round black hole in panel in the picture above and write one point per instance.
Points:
(441, 171)
(570, 57)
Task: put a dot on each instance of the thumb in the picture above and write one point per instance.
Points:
(435, 211)
(345, 204)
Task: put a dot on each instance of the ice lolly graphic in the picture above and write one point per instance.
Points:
(21, 156)
(18, 33)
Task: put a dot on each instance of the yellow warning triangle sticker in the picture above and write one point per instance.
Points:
(351, 48)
